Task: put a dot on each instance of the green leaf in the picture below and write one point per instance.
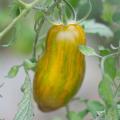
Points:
(110, 67)
(87, 50)
(107, 13)
(74, 116)
(83, 113)
(94, 107)
(105, 90)
(13, 71)
(103, 51)
(93, 27)
(112, 113)
(24, 37)
(25, 111)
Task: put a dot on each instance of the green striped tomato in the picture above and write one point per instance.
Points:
(60, 71)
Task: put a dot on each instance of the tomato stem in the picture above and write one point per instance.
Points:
(23, 13)
(72, 9)
(87, 15)
(38, 26)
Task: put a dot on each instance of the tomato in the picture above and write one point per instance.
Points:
(60, 70)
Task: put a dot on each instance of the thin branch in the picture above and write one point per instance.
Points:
(72, 9)
(27, 9)
(68, 110)
(39, 23)
(105, 57)
(37, 29)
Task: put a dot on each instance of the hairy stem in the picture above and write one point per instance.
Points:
(27, 9)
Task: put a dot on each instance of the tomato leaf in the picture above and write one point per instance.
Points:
(94, 107)
(103, 51)
(13, 71)
(87, 50)
(107, 13)
(25, 111)
(110, 67)
(105, 90)
(106, 93)
(91, 26)
(83, 113)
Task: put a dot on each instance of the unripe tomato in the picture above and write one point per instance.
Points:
(60, 71)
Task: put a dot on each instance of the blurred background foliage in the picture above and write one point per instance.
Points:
(103, 11)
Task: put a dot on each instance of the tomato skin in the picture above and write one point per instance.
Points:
(60, 71)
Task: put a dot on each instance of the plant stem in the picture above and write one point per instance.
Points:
(88, 13)
(68, 110)
(27, 9)
(36, 38)
(105, 57)
(1, 85)
(38, 25)
(72, 9)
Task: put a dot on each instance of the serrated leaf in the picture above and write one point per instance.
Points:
(25, 111)
(87, 50)
(94, 107)
(93, 27)
(13, 71)
(105, 90)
